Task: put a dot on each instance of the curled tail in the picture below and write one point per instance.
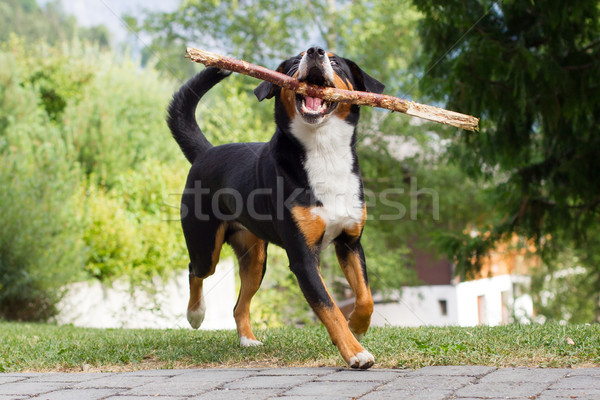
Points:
(181, 117)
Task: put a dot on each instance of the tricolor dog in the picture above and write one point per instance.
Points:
(301, 190)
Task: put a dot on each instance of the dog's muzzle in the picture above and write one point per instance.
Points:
(315, 68)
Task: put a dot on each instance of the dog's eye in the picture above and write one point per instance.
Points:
(333, 63)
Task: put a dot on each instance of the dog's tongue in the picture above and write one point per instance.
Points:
(313, 103)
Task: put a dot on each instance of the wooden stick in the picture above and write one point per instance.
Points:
(430, 113)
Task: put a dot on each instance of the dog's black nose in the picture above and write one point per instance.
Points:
(316, 53)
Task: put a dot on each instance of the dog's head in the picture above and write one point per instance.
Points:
(318, 67)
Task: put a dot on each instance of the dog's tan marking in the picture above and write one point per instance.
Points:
(343, 109)
(195, 293)
(216, 253)
(360, 318)
(335, 323)
(356, 230)
(288, 98)
(250, 251)
(312, 226)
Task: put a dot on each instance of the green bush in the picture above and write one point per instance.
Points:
(88, 167)
(40, 241)
(133, 229)
(120, 120)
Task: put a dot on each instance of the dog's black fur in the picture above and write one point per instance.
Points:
(252, 194)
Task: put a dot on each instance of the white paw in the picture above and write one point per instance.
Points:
(247, 342)
(195, 317)
(362, 360)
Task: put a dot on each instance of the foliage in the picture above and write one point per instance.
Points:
(87, 191)
(26, 19)
(37, 347)
(120, 121)
(40, 240)
(530, 70)
(129, 229)
(269, 31)
(251, 122)
(553, 286)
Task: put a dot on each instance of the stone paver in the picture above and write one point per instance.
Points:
(525, 375)
(30, 388)
(145, 398)
(77, 394)
(299, 371)
(429, 383)
(506, 390)
(119, 381)
(66, 377)
(577, 382)
(245, 394)
(423, 394)
(269, 382)
(9, 379)
(579, 394)
(458, 370)
(358, 375)
(348, 390)
(584, 372)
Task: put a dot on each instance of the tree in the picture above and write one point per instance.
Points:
(530, 70)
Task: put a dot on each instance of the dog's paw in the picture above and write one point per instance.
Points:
(195, 317)
(247, 342)
(362, 360)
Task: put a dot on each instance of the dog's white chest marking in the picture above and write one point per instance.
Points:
(328, 165)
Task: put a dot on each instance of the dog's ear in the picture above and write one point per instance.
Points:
(265, 90)
(365, 81)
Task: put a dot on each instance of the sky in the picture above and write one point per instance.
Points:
(109, 12)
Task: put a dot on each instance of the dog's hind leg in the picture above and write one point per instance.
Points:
(252, 257)
(204, 240)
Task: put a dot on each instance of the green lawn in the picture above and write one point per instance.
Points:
(43, 347)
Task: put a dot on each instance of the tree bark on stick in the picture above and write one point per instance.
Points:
(411, 108)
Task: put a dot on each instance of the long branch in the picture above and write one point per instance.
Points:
(424, 111)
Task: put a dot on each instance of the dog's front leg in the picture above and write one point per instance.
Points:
(306, 268)
(352, 261)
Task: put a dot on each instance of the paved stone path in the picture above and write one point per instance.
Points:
(430, 383)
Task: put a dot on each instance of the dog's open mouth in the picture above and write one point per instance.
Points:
(310, 108)
(313, 106)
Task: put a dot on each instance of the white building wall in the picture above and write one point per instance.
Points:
(94, 305)
(417, 306)
(420, 305)
(490, 289)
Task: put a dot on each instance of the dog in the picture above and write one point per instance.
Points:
(301, 191)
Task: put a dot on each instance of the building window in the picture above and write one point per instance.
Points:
(443, 307)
